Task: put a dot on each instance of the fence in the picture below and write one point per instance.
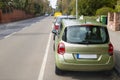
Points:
(13, 16)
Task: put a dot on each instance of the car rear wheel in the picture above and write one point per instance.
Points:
(53, 37)
(53, 46)
(58, 71)
(109, 72)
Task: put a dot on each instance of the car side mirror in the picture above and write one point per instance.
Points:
(54, 32)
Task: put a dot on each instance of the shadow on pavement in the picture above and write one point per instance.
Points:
(117, 60)
(101, 75)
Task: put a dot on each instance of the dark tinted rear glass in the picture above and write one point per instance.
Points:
(86, 34)
(59, 19)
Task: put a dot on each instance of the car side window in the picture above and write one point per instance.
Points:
(59, 30)
(64, 35)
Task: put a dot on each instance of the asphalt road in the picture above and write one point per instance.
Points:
(27, 54)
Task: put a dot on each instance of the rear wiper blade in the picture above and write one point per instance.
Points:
(85, 41)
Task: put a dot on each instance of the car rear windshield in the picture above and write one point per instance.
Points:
(86, 35)
(59, 20)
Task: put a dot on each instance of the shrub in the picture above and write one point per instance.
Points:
(104, 11)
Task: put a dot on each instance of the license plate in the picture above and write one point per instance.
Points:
(86, 56)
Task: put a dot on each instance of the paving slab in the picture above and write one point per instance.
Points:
(115, 40)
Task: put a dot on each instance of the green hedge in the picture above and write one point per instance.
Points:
(104, 11)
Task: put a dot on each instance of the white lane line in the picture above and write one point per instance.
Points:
(52, 26)
(24, 28)
(10, 35)
(14, 33)
(42, 70)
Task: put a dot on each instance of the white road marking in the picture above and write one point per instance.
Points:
(15, 32)
(52, 26)
(24, 28)
(10, 35)
(42, 70)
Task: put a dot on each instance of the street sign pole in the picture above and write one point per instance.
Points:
(76, 9)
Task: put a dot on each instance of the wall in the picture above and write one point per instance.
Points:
(15, 15)
(114, 21)
(0, 15)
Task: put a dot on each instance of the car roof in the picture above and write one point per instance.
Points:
(66, 16)
(76, 22)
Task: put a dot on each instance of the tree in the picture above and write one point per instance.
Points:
(59, 6)
(104, 11)
(6, 6)
(1, 4)
(85, 7)
(89, 7)
(64, 6)
(118, 6)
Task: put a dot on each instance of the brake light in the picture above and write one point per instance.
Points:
(61, 48)
(110, 49)
(56, 27)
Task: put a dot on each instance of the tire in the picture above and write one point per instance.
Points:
(53, 37)
(53, 46)
(108, 73)
(58, 71)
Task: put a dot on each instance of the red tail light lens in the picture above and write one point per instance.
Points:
(56, 27)
(110, 49)
(61, 48)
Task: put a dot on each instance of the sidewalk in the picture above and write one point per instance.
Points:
(115, 40)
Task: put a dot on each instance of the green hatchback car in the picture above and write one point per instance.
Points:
(82, 45)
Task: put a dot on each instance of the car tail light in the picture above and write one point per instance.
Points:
(61, 48)
(110, 49)
(56, 27)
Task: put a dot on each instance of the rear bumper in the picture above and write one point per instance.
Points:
(61, 64)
